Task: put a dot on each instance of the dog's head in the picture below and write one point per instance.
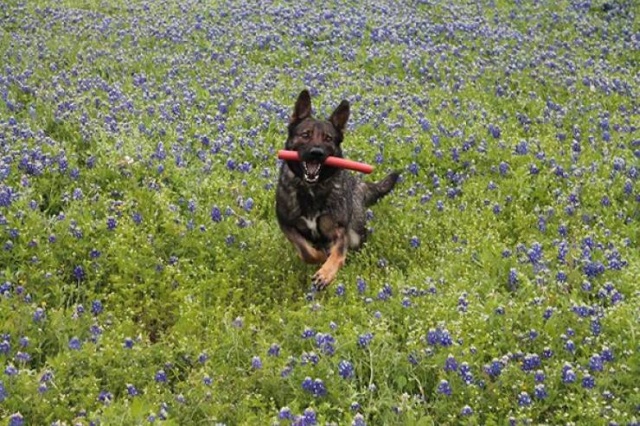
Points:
(315, 140)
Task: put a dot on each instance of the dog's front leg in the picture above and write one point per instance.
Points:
(306, 251)
(337, 254)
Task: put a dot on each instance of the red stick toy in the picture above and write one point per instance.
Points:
(341, 163)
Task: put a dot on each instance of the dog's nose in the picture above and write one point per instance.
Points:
(316, 153)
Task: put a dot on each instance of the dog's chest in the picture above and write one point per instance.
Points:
(309, 223)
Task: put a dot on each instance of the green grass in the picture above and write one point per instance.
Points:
(155, 114)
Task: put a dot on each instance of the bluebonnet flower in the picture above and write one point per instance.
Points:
(596, 363)
(39, 314)
(131, 390)
(361, 285)
(285, 414)
(345, 369)
(325, 343)
(513, 279)
(355, 406)
(444, 388)
(16, 419)
(3, 392)
(593, 269)
(539, 376)
(309, 417)
(540, 391)
(570, 346)
(5, 346)
(10, 370)
(274, 350)
(465, 373)
(315, 387)
(216, 214)
(105, 397)
(365, 339)
(137, 218)
(568, 375)
(358, 420)
(607, 354)
(524, 400)
(531, 362)
(256, 363)
(414, 242)
(112, 223)
(450, 364)
(308, 333)
(588, 381)
(75, 344)
(466, 411)
(161, 376)
(494, 131)
(78, 273)
(495, 368)
(535, 253)
(96, 307)
(340, 289)
(7, 196)
(309, 357)
(522, 148)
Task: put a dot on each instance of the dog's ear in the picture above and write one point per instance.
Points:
(340, 116)
(302, 109)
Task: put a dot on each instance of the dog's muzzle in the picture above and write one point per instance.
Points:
(312, 164)
(311, 171)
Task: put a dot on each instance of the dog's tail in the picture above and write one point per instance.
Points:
(376, 190)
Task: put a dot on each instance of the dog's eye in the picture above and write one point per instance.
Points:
(305, 134)
(328, 138)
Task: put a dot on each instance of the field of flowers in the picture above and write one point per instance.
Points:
(143, 277)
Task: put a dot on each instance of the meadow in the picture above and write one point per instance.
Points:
(143, 277)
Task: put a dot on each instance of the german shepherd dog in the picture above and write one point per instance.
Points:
(321, 209)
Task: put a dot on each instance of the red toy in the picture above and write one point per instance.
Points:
(342, 163)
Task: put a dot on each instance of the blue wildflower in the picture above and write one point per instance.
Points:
(540, 391)
(256, 363)
(450, 364)
(285, 414)
(16, 419)
(274, 350)
(466, 411)
(588, 381)
(568, 375)
(216, 214)
(131, 390)
(75, 344)
(345, 369)
(96, 307)
(358, 420)
(161, 376)
(530, 362)
(524, 400)
(365, 339)
(596, 363)
(444, 388)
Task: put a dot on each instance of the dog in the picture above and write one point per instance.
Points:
(320, 209)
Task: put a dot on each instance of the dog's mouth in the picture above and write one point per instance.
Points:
(311, 171)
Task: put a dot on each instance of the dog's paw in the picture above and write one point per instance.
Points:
(322, 279)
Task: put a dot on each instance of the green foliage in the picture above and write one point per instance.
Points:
(143, 277)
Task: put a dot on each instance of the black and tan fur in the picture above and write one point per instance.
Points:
(321, 209)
